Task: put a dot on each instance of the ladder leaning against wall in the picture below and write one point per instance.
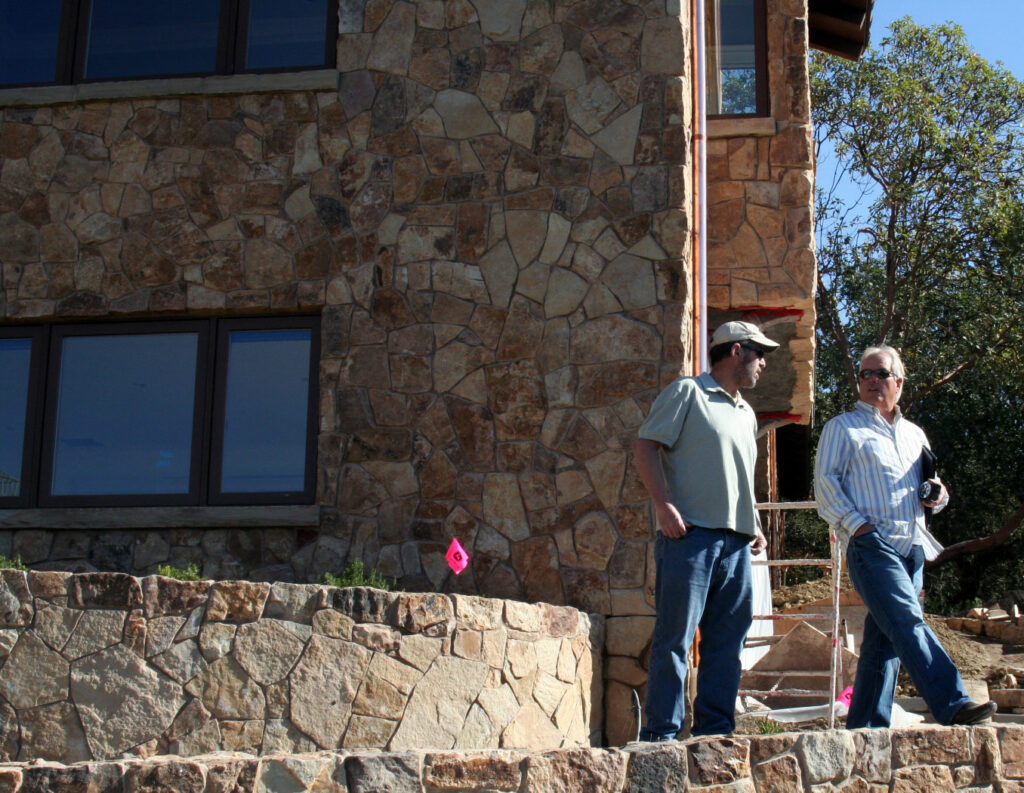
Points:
(835, 565)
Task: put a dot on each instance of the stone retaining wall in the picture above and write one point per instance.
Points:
(905, 761)
(98, 666)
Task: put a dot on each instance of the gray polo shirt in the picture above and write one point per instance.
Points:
(708, 453)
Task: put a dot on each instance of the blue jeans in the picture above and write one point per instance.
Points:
(895, 631)
(703, 579)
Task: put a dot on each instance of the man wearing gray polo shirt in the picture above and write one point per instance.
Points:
(695, 454)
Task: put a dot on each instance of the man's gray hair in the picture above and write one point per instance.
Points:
(885, 349)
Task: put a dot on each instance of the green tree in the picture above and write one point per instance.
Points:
(921, 246)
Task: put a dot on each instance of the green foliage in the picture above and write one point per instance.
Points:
(356, 574)
(190, 573)
(929, 257)
(767, 726)
(12, 563)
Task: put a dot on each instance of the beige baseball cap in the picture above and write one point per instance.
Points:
(742, 331)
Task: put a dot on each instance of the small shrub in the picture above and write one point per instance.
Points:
(190, 573)
(14, 563)
(356, 574)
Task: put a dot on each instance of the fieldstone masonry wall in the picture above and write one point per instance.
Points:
(981, 759)
(492, 213)
(99, 666)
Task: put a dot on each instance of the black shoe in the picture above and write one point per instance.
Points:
(975, 713)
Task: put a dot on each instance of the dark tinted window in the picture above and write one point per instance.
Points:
(265, 419)
(283, 33)
(29, 33)
(16, 365)
(125, 414)
(217, 411)
(128, 37)
(70, 41)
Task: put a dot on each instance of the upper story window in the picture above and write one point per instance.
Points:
(71, 41)
(159, 413)
(736, 64)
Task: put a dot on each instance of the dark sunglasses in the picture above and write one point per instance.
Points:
(756, 350)
(883, 374)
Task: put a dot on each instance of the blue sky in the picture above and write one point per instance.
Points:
(993, 27)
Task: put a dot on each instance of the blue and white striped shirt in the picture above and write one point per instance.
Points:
(868, 471)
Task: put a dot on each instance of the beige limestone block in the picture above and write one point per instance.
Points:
(547, 654)
(419, 650)
(477, 613)
(565, 666)
(228, 692)
(593, 770)
(614, 338)
(329, 622)
(500, 705)
(522, 657)
(590, 105)
(399, 478)
(33, 674)
(534, 282)
(500, 19)
(380, 638)
(618, 139)
(121, 701)
(570, 719)
(566, 290)
(216, 640)
(631, 279)
(569, 74)
(548, 692)
(268, 649)
(503, 506)
(53, 732)
(522, 616)
(241, 736)
(606, 472)
(280, 735)
(324, 685)
(368, 732)
(439, 705)
(531, 729)
(296, 773)
(594, 539)
(391, 49)
(182, 662)
(492, 648)
(463, 115)
(477, 731)
(628, 636)
(204, 740)
(54, 623)
(456, 360)
(500, 271)
(527, 232)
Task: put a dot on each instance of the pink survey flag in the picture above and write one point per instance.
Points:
(457, 557)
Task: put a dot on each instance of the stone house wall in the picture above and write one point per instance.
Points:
(946, 759)
(97, 666)
(491, 209)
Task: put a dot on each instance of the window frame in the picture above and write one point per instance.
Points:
(761, 74)
(38, 448)
(232, 40)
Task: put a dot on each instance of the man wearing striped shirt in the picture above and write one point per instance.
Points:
(867, 479)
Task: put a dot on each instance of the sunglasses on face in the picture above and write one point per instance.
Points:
(756, 350)
(883, 374)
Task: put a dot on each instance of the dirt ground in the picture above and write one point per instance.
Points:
(977, 657)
